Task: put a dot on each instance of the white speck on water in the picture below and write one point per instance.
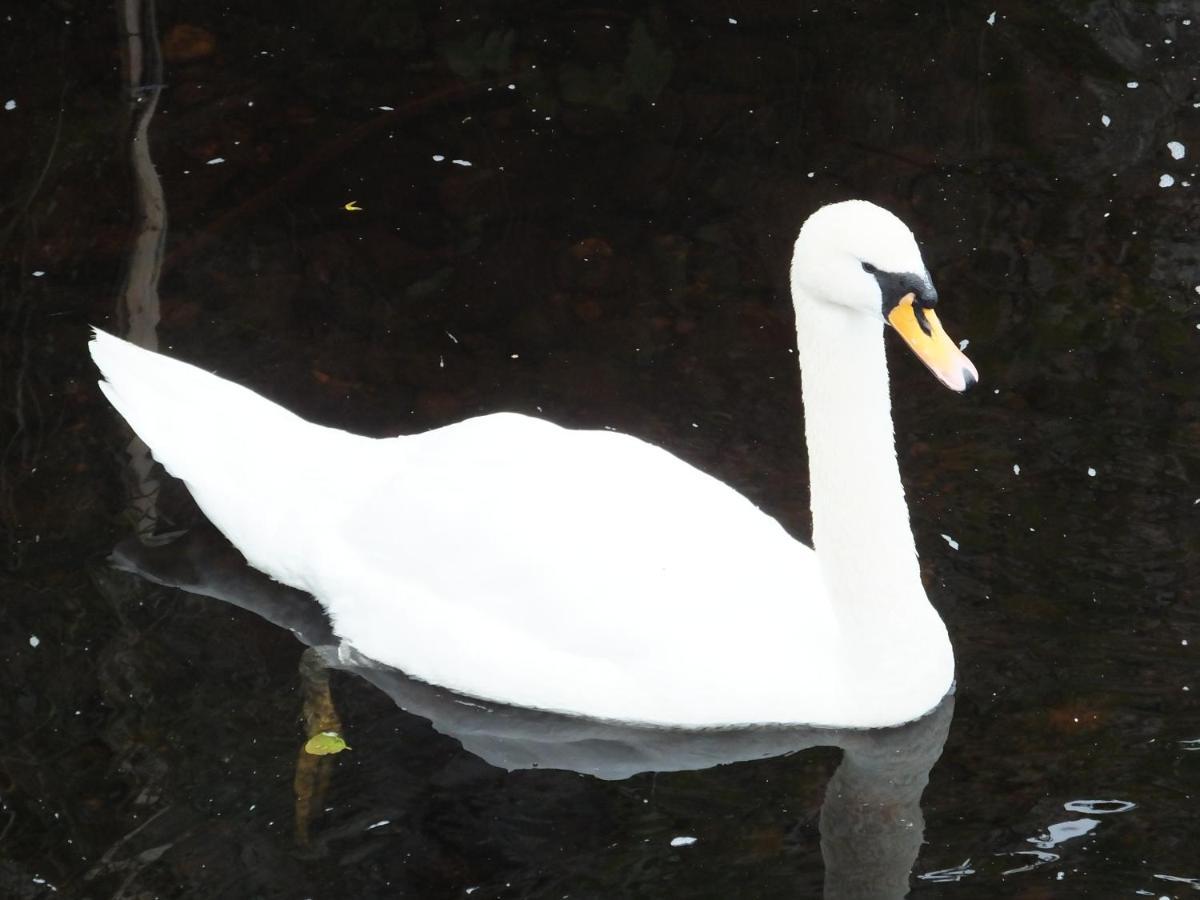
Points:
(732, 21)
(812, 174)
(682, 841)
(215, 161)
(1178, 151)
(512, 87)
(472, 890)
(10, 105)
(1166, 181)
(249, 102)
(1099, 807)
(963, 344)
(437, 157)
(1132, 85)
(34, 640)
(515, 356)
(452, 337)
(1105, 121)
(951, 541)
(1061, 832)
(387, 108)
(1091, 472)
(953, 874)
(460, 162)
(38, 273)
(1016, 469)
(991, 20)
(378, 824)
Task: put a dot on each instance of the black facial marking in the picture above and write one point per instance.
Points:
(919, 315)
(894, 286)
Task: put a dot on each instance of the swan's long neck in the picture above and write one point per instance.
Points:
(861, 529)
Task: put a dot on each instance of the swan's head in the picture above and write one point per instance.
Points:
(859, 258)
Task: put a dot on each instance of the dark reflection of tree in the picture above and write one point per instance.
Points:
(138, 310)
(119, 867)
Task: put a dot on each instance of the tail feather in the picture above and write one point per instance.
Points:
(242, 457)
(186, 415)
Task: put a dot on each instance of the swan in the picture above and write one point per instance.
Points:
(590, 572)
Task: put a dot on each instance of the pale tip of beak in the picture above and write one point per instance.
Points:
(968, 377)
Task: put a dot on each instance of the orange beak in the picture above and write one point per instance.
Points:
(923, 332)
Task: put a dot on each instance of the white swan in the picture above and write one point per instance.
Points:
(589, 572)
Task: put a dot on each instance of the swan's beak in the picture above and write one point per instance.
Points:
(921, 330)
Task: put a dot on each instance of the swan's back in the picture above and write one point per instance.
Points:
(552, 567)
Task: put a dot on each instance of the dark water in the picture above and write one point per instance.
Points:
(614, 255)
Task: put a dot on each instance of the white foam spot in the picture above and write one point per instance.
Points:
(1166, 181)
(963, 344)
(38, 273)
(1016, 469)
(991, 20)
(10, 105)
(1099, 807)
(682, 841)
(1091, 472)
(387, 108)
(460, 162)
(951, 541)
(1178, 151)
(1060, 832)
(437, 157)
(215, 161)
(733, 21)
(1105, 121)
(1132, 85)
(378, 824)
(34, 640)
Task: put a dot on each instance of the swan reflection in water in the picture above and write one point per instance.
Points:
(871, 823)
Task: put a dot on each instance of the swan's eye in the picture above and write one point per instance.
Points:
(870, 269)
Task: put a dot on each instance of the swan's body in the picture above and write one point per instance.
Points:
(589, 572)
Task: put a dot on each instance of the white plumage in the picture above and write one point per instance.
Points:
(590, 572)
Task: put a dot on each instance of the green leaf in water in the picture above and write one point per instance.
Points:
(325, 743)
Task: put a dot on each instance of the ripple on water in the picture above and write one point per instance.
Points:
(1099, 807)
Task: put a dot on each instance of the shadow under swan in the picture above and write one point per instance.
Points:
(871, 823)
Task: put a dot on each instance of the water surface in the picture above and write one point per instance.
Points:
(390, 217)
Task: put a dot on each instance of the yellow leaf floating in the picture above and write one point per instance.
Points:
(352, 206)
(325, 743)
